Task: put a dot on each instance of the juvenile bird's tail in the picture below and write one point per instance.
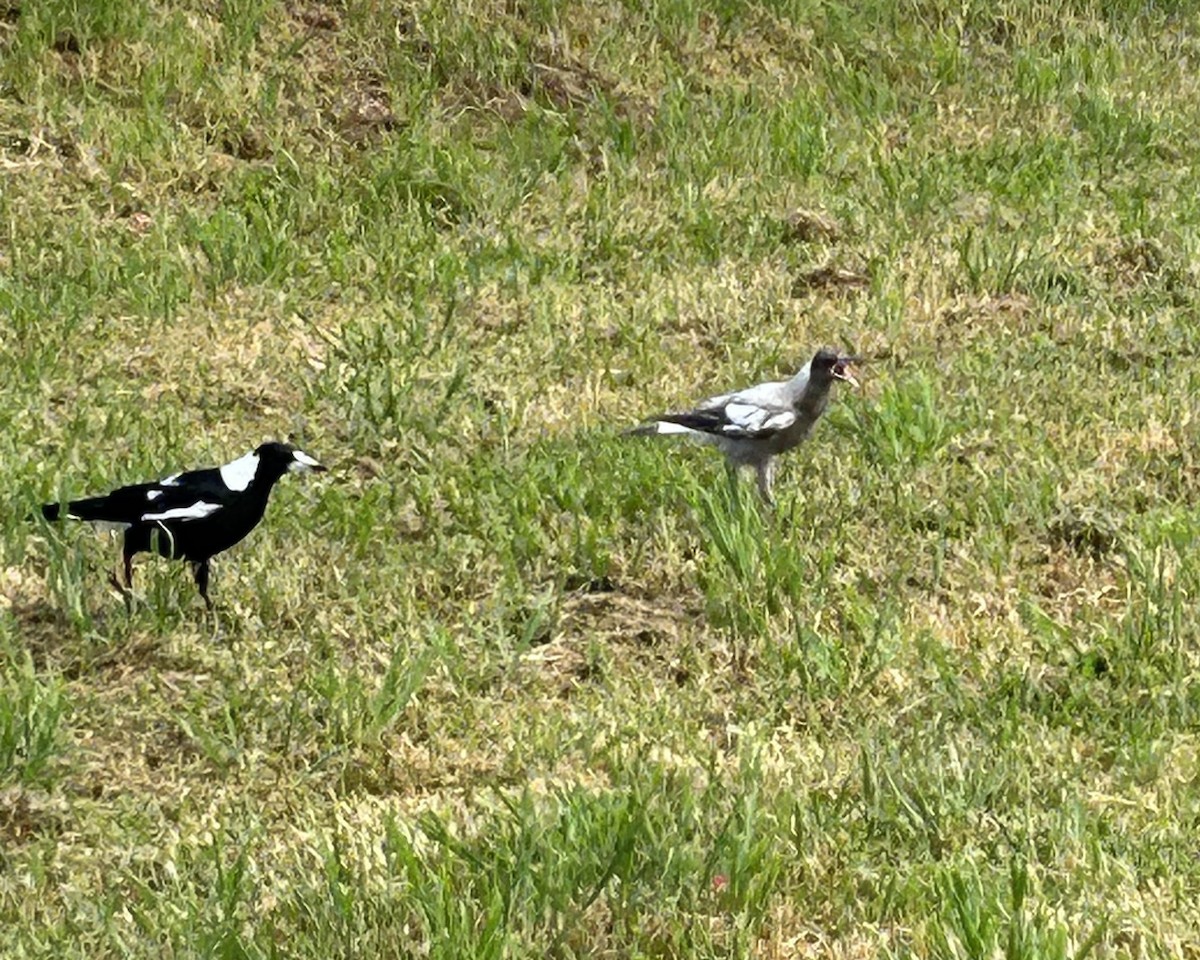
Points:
(668, 423)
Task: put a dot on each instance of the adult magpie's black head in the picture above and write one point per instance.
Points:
(828, 364)
(275, 459)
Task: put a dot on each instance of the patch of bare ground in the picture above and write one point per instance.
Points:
(830, 278)
(42, 622)
(967, 317)
(1072, 585)
(556, 75)
(317, 16)
(326, 86)
(791, 934)
(758, 48)
(1089, 533)
(810, 226)
(1144, 262)
(649, 630)
(417, 767)
(141, 751)
(348, 85)
(48, 634)
(27, 814)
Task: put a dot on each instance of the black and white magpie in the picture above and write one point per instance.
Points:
(191, 516)
(752, 426)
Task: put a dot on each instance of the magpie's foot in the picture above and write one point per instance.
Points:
(211, 610)
(124, 591)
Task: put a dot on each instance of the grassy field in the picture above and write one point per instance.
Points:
(505, 684)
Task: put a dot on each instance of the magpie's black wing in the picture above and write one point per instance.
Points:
(183, 496)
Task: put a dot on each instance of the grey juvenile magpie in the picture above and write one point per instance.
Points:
(753, 425)
(191, 516)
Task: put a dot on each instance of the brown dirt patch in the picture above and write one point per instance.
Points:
(810, 226)
(830, 278)
(649, 630)
(26, 814)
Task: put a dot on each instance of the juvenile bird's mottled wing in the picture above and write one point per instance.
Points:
(750, 420)
(735, 420)
(775, 393)
(753, 412)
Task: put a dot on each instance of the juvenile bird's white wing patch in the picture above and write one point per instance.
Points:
(240, 474)
(748, 418)
(663, 426)
(715, 403)
(771, 394)
(171, 481)
(153, 494)
(196, 511)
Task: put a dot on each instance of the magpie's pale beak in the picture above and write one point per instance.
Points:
(303, 463)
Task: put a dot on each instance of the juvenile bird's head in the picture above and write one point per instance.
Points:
(828, 365)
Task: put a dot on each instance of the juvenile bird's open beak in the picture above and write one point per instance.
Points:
(841, 370)
(303, 463)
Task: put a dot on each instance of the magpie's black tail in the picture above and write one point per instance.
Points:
(106, 509)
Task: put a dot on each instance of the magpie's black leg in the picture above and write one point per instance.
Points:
(200, 572)
(126, 588)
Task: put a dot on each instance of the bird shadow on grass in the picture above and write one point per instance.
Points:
(58, 640)
(42, 627)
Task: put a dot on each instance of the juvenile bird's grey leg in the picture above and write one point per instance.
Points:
(731, 475)
(766, 476)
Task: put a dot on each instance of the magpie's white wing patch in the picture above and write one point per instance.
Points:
(153, 494)
(239, 474)
(171, 481)
(196, 511)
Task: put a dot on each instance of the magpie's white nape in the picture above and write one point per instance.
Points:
(191, 516)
